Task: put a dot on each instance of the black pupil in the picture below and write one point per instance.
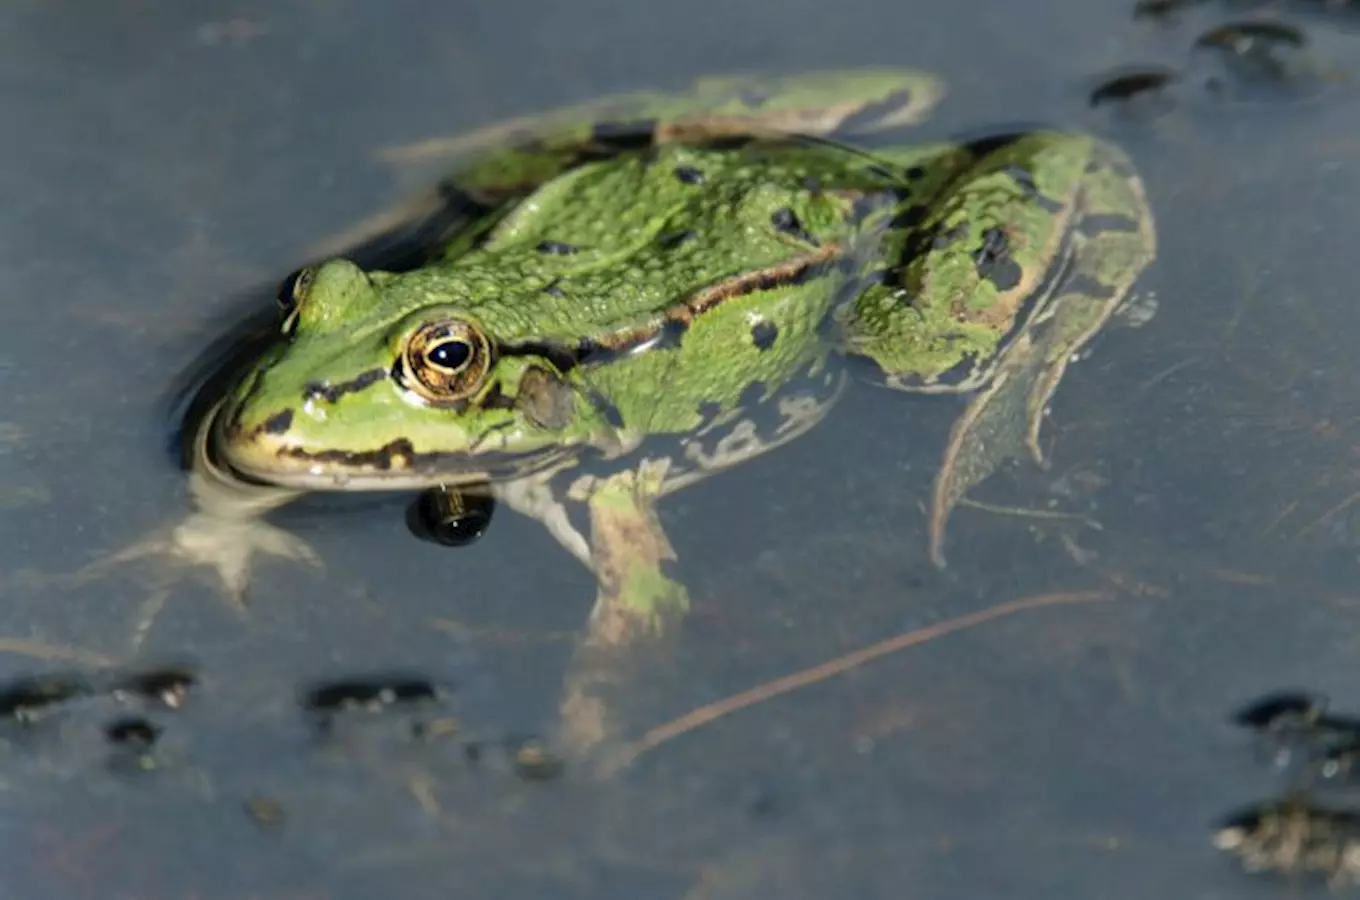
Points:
(450, 354)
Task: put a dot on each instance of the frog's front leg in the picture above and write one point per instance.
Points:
(626, 550)
(995, 285)
(634, 597)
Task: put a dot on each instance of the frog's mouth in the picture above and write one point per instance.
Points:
(267, 454)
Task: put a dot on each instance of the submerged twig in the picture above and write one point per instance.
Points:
(709, 713)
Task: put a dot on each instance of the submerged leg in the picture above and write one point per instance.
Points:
(635, 599)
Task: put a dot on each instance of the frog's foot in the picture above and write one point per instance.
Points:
(221, 544)
(225, 531)
(225, 546)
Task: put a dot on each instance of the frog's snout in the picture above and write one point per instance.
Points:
(257, 448)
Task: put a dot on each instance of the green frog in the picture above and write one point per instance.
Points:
(647, 290)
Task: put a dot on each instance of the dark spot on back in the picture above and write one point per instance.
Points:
(916, 173)
(908, 218)
(553, 288)
(863, 205)
(763, 334)
(729, 142)
(786, 221)
(1024, 179)
(605, 408)
(556, 248)
(633, 135)
(278, 423)
(994, 262)
(943, 239)
(671, 241)
(812, 184)
(988, 145)
(689, 175)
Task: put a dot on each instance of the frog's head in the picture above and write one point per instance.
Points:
(377, 387)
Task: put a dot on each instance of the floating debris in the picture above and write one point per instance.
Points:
(1292, 837)
(374, 694)
(28, 699)
(534, 762)
(1141, 87)
(169, 687)
(266, 812)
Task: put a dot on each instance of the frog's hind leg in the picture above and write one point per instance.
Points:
(1111, 242)
(1108, 241)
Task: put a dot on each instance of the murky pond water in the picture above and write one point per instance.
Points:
(1058, 719)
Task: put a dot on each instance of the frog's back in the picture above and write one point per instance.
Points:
(612, 244)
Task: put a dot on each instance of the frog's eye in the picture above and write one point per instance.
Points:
(445, 361)
(292, 292)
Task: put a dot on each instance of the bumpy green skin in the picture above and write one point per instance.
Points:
(626, 272)
(665, 282)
